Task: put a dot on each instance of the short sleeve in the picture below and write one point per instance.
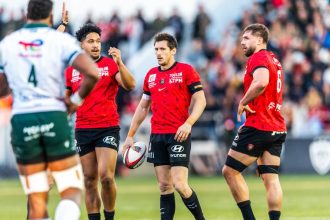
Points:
(193, 80)
(70, 48)
(2, 70)
(257, 62)
(146, 89)
(68, 77)
(113, 68)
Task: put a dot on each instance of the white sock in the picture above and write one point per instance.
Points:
(67, 210)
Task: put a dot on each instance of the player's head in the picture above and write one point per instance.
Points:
(89, 37)
(255, 37)
(165, 48)
(40, 10)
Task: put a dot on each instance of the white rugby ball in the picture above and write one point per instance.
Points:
(135, 155)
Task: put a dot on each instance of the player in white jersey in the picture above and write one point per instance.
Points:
(32, 60)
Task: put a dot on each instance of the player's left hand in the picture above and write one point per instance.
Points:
(116, 54)
(65, 14)
(243, 108)
(183, 132)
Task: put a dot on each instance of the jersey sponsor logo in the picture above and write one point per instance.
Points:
(34, 132)
(277, 107)
(75, 76)
(161, 89)
(31, 49)
(110, 140)
(177, 148)
(152, 78)
(319, 153)
(176, 78)
(103, 71)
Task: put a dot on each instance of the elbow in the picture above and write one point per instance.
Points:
(130, 86)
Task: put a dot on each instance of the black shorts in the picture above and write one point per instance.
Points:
(89, 138)
(254, 142)
(164, 150)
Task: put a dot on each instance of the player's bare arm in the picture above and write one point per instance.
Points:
(125, 77)
(4, 87)
(198, 103)
(65, 19)
(140, 114)
(258, 85)
(86, 66)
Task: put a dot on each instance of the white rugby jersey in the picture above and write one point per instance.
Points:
(33, 59)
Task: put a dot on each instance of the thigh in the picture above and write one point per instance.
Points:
(179, 174)
(179, 152)
(89, 165)
(106, 161)
(163, 174)
(157, 152)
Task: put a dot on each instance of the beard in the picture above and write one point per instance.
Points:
(249, 51)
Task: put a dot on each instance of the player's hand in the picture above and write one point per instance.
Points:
(65, 14)
(183, 132)
(71, 107)
(243, 108)
(128, 143)
(116, 54)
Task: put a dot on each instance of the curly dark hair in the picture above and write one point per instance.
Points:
(39, 9)
(86, 29)
(171, 41)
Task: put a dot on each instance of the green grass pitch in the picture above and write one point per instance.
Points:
(305, 198)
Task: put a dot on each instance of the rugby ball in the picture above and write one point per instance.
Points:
(135, 155)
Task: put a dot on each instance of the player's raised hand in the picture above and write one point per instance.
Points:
(116, 54)
(243, 108)
(128, 143)
(183, 132)
(65, 14)
(71, 107)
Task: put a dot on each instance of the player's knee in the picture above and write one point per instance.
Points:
(35, 183)
(107, 181)
(165, 187)
(181, 186)
(90, 181)
(69, 178)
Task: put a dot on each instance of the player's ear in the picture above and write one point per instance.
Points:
(173, 51)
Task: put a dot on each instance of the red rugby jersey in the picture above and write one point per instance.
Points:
(170, 92)
(268, 105)
(99, 109)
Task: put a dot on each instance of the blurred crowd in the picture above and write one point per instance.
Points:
(299, 36)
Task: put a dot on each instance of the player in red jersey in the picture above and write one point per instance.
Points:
(97, 122)
(264, 132)
(169, 89)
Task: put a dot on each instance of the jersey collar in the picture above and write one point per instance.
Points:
(35, 25)
(99, 59)
(160, 70)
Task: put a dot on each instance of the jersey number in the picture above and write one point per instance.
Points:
(32, 77)
(279, 81)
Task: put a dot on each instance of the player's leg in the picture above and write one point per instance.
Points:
(165, 184)
(179, 154)
(107, 142)
(189, 197)
(34, 181)
(268, 167)
(244, 151)
(67, 173)
(31, 165)
(107, 158)
(91, 177)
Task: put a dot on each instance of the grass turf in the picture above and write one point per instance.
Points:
(305, 198)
